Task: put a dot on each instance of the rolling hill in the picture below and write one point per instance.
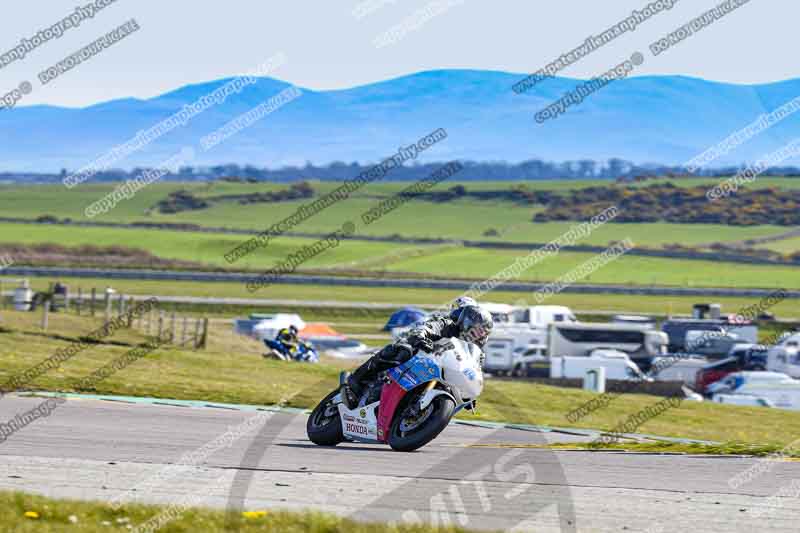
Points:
(664, 120)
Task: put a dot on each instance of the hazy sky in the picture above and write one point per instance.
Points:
(328, 46)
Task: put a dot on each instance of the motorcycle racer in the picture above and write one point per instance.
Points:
(466, 321)
(289, 339)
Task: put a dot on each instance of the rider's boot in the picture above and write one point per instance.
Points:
(349, 396)
(353, 385)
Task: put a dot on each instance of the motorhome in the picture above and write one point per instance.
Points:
(521, 341)
(541, 316)
(501, 313)
(581, 339)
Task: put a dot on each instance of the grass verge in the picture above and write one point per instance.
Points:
(726, 448)
(27, 513)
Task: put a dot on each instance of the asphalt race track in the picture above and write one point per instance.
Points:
(471, 476)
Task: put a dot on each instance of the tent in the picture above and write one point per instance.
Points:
(405, 317)
(316, 329)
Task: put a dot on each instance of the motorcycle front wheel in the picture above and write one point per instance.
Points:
(324, 426)
(412, 429)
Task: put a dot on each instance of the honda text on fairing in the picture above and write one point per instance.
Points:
(406, 406)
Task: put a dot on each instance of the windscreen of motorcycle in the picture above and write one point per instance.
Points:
(462, 368)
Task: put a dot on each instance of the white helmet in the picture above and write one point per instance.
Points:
(462, 301)
(459, 304)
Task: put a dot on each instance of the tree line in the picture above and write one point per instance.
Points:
(533, 169)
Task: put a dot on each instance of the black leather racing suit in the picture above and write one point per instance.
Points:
(434, 328)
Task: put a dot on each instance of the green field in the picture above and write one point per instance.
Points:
(785, 246)
(441, 261)
(628, 270)
(462, 219)
(190, 246)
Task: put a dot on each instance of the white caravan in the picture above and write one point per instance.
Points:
(617, 365)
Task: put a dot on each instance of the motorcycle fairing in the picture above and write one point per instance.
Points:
(415, 372)
(360, 424)
(404, 377)
(391, 394)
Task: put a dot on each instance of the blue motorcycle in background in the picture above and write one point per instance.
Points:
(304, 353)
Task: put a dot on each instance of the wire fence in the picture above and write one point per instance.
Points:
(184, 331)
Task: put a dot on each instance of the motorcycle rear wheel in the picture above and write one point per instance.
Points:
(324, 426)
(441, 411)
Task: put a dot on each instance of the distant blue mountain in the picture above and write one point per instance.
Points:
(664, 120)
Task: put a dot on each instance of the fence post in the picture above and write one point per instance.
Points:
(129, 310)
(45, 314)
(183, 331)
(172, 326)
(204, 336)
(108, 307)
(94, 298)
(79, 301)
(120, 305)
(149, 322)
(196, 333)
(160, 324)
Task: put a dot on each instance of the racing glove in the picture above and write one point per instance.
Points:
(421, 343)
